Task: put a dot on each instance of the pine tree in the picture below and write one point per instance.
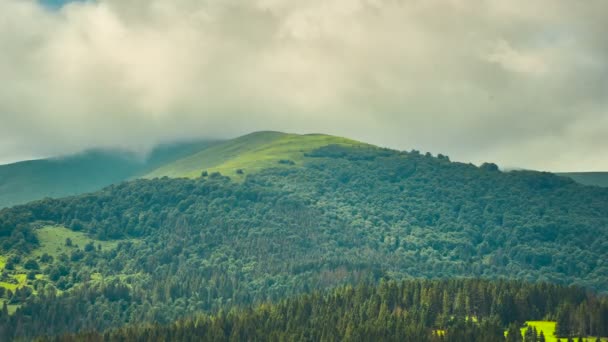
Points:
(514, 334)
(528, 335)
(541, 337)
(445, 309)
(562, 326)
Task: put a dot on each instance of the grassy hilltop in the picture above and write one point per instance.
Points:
(250, 153)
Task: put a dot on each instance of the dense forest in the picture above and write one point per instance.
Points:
(449, 310)
(345, 215)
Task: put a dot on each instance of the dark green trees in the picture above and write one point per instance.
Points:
(514, 334)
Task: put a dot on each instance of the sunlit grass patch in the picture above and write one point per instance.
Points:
(53, 241)
(250, 154)
(548, 329)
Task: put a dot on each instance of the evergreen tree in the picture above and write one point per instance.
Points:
(562, 327)
(514, 334)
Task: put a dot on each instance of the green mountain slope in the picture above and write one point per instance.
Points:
(250, 153)
(57, 177)
(164, 248)
(588, 178)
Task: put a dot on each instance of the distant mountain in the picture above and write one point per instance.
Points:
(588, 178)
(89, 171)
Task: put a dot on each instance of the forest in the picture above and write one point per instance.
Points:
(447, 310)
(166, 249)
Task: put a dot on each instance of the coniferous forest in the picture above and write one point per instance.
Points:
(276, 254)
(448, 310)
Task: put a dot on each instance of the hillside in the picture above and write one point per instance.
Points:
(58, 177)
(155, 250)
(588, 178)
(250, 153)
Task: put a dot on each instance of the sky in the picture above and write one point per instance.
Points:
(519, 83)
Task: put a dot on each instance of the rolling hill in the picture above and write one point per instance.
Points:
(306, 213)
(588, 178)
(250, 153)
(89, 171)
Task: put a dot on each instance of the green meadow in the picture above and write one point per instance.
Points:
(250, 153)
(53, 241)
(548, 329)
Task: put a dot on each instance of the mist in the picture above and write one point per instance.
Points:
(517, 83)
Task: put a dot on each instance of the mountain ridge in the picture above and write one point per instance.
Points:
(91, 170)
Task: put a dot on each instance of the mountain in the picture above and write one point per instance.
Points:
(588, 178)
(279, 215)
(89, 171)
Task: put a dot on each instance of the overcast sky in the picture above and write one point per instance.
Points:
(520, 83)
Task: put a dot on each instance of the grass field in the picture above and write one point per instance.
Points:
(548, 329)
(52, 241)
(250, 153)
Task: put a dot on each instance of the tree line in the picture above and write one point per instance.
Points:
(413, 310)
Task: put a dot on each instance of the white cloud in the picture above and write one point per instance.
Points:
(513, 60)
(478, 80)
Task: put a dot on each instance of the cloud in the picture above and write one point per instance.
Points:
(512, 82)
(513, 60)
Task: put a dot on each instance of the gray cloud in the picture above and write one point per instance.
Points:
(519, 83)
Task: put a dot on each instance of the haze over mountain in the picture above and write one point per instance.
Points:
(588, 178)
(59, 177)
(518, 84)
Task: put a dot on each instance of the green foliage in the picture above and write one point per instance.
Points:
(345, 214)
(391, 311)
